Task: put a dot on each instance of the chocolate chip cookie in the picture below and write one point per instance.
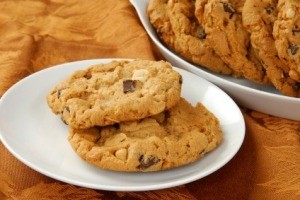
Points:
(258, 18)
(255, 59)
(287, 35)
(225, 33)
(176, 25)
(170, 139)
(119, 91)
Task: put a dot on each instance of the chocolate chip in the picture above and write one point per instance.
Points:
(201, 33)
(296, 86)
(180, 79)
(145, 163)
(68, 109)
(269, 9)
(228, 8)
(295, 31)
(293, 49)
(64, 121)
(117, 126)
(59, 92)
(88, 75)
(129, 86)
(62, 117)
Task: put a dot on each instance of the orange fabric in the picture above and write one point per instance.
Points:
(38, 34)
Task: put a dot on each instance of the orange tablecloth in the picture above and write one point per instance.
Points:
(38, 34)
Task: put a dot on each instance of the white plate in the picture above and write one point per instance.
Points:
(38, 138)
(248, 94)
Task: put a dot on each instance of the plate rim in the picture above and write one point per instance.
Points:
(73, 181)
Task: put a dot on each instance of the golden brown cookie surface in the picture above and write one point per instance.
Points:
(222, 21)
(177, 137)
(287, 35)
(118, 91)
(258, 18)
(177, 27)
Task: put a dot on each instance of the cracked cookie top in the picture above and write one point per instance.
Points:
(287, 35)
(119, 91)
(170, 139)
(178, 28)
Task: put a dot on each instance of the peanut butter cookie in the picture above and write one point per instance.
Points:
(176, 25)
(225, 33)
(258, 18)
(170, 139)
(287, 35)
(115, 92)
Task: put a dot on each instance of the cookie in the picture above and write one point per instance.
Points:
(170, 139)
(177, 27)
(225, 33)
(119, 91)
(255, 59)
(287, 35)
(258, 18)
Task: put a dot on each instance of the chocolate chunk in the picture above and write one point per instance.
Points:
(269, 9)
(180, 79)
(201, 33)
(64, 121)
(62, 117)
(295, 31)
(145, 163)
(117, 126)
(68, 109)
(228, 8)
(293, 49)
(129, 86)
(296, 86)
(88, 75)
(59, 92)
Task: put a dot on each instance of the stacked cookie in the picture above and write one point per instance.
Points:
(254, 39)
(129, 116)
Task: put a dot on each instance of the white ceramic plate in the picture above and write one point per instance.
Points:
(248, 94)
(38, 138)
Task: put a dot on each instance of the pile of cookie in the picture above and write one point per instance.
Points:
(130, 116)
(254, 39)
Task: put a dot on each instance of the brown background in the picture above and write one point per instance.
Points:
(38, 34)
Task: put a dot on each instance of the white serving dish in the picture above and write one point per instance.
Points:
(247, 94)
